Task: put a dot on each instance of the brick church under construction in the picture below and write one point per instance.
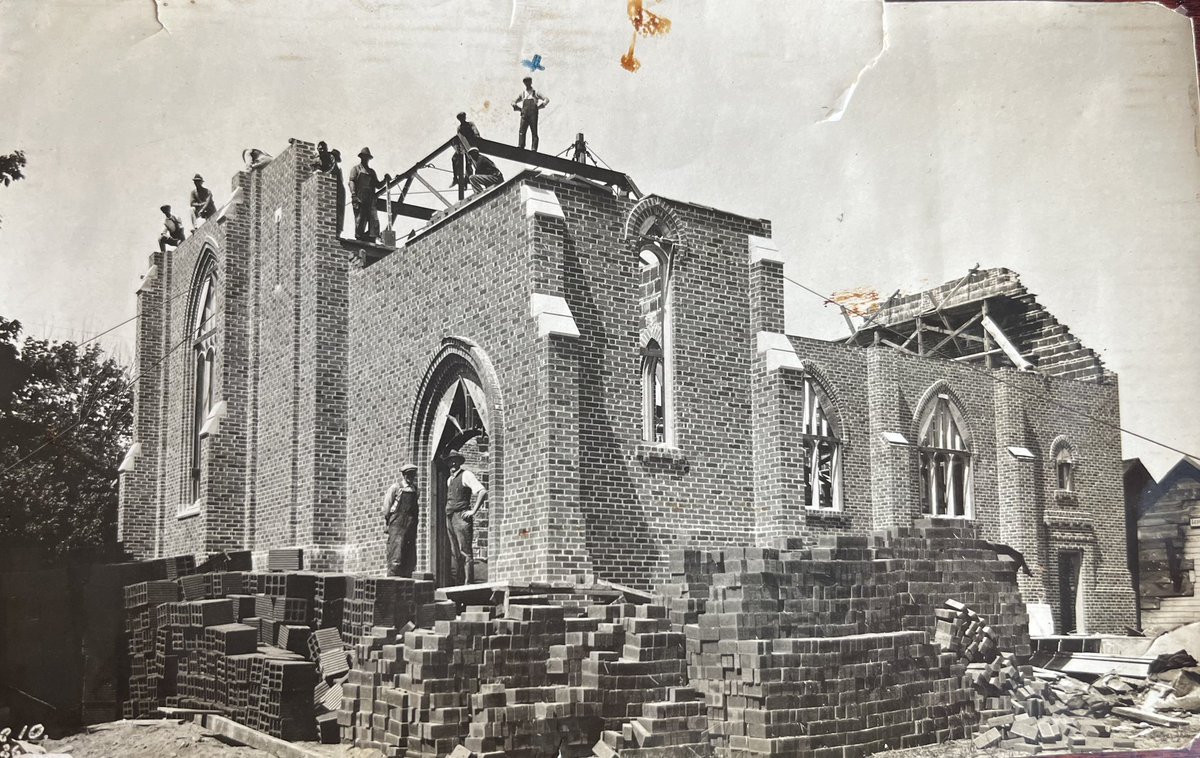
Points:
(614, 368)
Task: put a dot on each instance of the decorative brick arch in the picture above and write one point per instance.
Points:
(457, 358)
(831, 393)
(957, 407)
(658, 211)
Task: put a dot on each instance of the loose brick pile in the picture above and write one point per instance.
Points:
(827, 650)
(1026, 710)
(536, 675)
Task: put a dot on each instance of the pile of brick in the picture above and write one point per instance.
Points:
(1024, 709)
(964, 632)
(244, 643)
(800, 650)
(676, 727)
(539, 673)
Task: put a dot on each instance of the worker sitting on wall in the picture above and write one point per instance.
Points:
(484, 173)
(172, 233)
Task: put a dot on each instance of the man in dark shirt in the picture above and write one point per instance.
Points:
(464, 497)
(484, 173)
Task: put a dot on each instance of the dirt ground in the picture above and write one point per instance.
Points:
(171, 739)
(1146, 738)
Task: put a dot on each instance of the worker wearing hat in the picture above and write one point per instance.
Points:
(528, 103)
(172, 233)
(484, 173)
(364, 186)
(464, 497)
(201, 201)
(400, 521)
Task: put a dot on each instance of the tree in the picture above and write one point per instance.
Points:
(10, 167)
(65, 421)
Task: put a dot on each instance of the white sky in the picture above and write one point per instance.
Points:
(1057, 139)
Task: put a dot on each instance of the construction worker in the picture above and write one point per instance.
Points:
(201, 201)
(528, 103)
(467, 129)
(364, 186)
(330, 162)
(484, 173)
(172, 233)
(464, 497)
(400, 520)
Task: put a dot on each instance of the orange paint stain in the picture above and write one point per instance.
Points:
(861, 301)
(646, 24)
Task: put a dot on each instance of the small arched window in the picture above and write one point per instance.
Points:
(822, 445)
(945, 460)
(656, 367)
(1064, 469)
(203, 338)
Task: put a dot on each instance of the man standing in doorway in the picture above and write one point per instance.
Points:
(464, 497)
(528, 103)
(400, 520)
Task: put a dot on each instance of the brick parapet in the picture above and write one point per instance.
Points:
(138, 496)
(324, 359)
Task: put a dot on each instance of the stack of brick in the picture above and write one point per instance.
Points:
(827, 647)
(223, 649)
(141, 629)
(964, 632)
(383, 601)
(688, 590)
(677, 727)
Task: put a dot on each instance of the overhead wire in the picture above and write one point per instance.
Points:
(997, 378)
(56, 436)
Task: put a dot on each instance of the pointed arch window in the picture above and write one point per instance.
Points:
(822, 445)
(203, 337)
(656, 364)
(945, 460)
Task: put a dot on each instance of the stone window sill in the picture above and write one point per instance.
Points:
(825, 516)
(661, 455)
(190, 511)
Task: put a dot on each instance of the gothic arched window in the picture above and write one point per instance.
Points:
(822, 443)
(945, 460)
(656, 369)
(203, 338)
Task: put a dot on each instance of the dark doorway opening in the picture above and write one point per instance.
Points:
(464, 430)
(1070, 563)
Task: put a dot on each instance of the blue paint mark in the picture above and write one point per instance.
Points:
(535, 64)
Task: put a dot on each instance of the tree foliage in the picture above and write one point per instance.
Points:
(65, 421)
(10, 167)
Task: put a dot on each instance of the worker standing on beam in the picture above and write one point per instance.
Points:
(528, 103)
(364, 185)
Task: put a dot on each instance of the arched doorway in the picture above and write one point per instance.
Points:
(458, 408)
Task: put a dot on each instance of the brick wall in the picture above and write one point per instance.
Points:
(332, 375)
